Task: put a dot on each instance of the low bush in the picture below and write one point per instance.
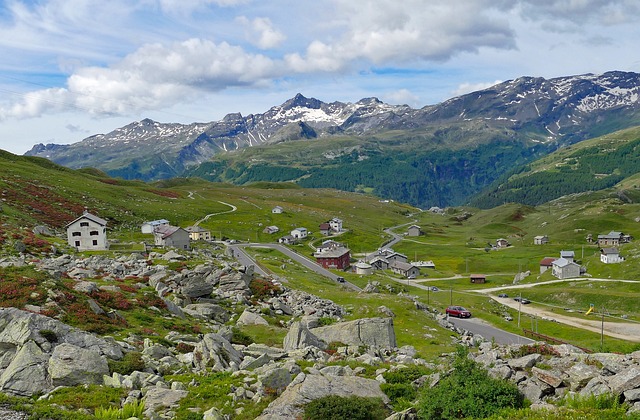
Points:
(468, 391)
(131, 362)
(352, 408)
(240, 337)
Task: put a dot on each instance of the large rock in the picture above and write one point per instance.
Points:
(18, 327)
(370, 332)
(70, 365)
(156, 398)
(196, 287)
(306, 388)
(26, 375)
(216, 352)
(250, 318)
(300, 337)
(625, 380)
(208, 311)
(234, 282)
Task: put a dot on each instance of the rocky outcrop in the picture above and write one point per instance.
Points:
(370, 332)
(306, 388)
(38, 353)
(300, 337)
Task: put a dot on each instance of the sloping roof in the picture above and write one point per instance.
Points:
(195, 229)
(563, 262)
(332, 253)
(402, 265)
(547, 261)
(324, 226)
(564, 254)
(92, 217)
(166, 230)
(610, 251)
(157, 222)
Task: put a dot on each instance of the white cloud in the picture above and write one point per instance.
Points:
(403, 97)
(465, 88)
(260, 32)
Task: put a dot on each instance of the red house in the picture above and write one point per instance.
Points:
(337, 258)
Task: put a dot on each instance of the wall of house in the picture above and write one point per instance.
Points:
(87, 235)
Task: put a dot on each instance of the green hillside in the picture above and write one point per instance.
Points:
(591, 165)
(433, 167)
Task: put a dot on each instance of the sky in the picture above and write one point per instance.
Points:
(74, 68)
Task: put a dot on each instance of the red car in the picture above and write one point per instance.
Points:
(458, 311)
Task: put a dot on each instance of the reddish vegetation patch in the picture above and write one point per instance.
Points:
(114, 300)
(163, 193)
(41, 202)
(109, 181)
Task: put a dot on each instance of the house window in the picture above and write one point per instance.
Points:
(77, 243)
(95, 243)
(84, 224)
(76, 234)
(94, 233)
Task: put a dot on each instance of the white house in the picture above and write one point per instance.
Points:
(277, 210)
(610, 256)
(540, 240)
(88, 233)
(299, 233)
(171, 237)
(271, 230)
(148, 227)
(336, 224)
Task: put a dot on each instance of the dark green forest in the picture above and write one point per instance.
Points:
(588, 169)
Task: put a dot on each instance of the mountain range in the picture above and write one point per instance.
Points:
(441, 154)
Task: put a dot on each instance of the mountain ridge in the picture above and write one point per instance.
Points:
(549, 113)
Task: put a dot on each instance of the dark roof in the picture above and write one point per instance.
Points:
(92, 217)
(547, 261)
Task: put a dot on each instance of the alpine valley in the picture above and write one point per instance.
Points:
(459, 151)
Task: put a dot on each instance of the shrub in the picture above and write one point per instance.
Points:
(261, 289)
(353, 408)
(131, 362)
(599, 402)
(468, 391)
(536, 348)
(184, 348)
(405, 375)
(126, 412)
(240, 337)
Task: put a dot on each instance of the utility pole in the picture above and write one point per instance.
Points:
(428, 293)
(519, 307)
(450, 295)
(602, 330)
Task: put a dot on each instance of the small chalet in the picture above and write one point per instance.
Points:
(325, 228)
(390, 255)
(546, 263)
(613, 239)
(540, 240)
(288, 240)
(338, 257)
(568, 255)
(565, 269)
(299, 233)
(277, 210)
(610, 256)
(271, 230)
(171, 237)
(414, 230)
(148, 227)
(404, 269)
(379, 263)
(478, 278)
(88, 233)
(196, 233)
(502, 243)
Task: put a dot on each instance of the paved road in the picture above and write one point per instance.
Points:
(479, 327)
(245, 259)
